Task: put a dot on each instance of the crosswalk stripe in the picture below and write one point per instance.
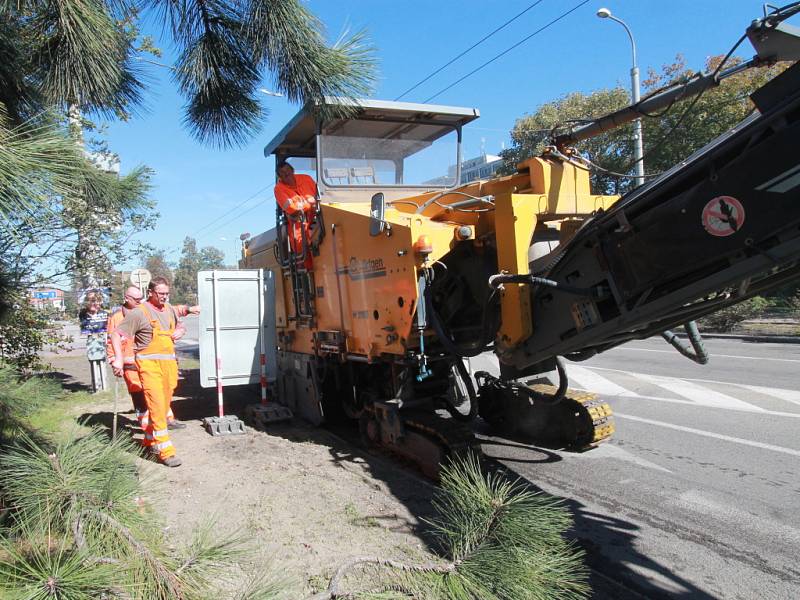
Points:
(597, 384)
(697, 393)
(792, 396)
(718, 436)
(737, 356)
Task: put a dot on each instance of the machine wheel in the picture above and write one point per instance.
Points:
(460, 391)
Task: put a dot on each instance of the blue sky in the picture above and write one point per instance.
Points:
(195, 185)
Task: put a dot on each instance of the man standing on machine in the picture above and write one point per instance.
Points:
(297, 197)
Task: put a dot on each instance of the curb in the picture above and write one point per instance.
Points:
(771, 339)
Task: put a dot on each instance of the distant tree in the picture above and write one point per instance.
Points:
(669, 136)
(211, 258)
(715, 112)
(158, 265)
(612, 150)
(184, 288)
(185, 284)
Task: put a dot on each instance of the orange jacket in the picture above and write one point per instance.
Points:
(301, 196)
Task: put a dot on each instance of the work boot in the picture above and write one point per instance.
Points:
(171, 461)
(176, 425)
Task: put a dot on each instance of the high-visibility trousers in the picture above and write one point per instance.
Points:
(143, 416)
(134, 385)
(159, 380)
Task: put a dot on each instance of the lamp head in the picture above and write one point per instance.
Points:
(603, 13)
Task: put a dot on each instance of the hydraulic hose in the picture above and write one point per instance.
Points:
(444, 337)
(485, 379)
(563, 383)
(473, 397)
(597, 292)
(697, 352)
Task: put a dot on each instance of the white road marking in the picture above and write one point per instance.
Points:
(697, 393)
(792, 396)
(596, 383)
(716, 436)
(638, 349)
(769, 413)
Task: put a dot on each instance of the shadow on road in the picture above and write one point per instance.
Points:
(618, 570)
(609, 542)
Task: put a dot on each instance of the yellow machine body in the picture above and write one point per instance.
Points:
(360, 330)
(366, 287)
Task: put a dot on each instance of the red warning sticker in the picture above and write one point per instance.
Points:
(723, 216)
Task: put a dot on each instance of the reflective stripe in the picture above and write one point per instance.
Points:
(149, 436)
(161, 433)
(162, 445)
(155, 356)
(129, 360)
(141, 414)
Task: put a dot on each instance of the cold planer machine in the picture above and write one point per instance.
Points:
(413, 272)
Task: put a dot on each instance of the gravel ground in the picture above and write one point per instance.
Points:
(308, 499)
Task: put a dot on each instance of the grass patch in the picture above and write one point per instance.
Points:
(39, 404)
(188, 363)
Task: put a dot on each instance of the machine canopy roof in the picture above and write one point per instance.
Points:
(377, 119)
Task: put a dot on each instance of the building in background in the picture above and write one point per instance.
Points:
(481, 167)
(43, 298)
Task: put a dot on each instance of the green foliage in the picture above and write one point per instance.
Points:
(37, 161)
(504, 542)
(714, 113)
(308, 71)
(79, 474)
(211, 258)
(81, 528)
(728, 318)
(669, 136)
(612, 150)
(24, 332)
(158, 265)
(185, 284)
(184, 287)
(50, 569)
(83, 56)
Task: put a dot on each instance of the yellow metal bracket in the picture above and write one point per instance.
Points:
(515, 220)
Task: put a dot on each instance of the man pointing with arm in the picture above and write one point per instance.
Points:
(154, 327)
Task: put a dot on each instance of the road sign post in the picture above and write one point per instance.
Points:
(141, 278)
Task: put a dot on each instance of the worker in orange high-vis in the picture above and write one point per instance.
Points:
(132, 297)
(297, 196)
(154, 327)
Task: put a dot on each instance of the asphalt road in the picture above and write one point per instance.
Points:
(698, 493)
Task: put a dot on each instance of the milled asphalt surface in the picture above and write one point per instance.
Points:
(698, 493)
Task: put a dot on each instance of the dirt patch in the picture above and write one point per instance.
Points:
(308, 499)
(778, 326)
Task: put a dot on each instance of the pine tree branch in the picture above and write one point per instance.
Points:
(171, 580)
(333, 587)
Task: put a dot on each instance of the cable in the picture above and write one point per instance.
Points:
(478, 43)
(689, 109)
(507, 50)
(229, 221)
(225, 214)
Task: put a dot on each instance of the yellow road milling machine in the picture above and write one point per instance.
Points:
(412, 271)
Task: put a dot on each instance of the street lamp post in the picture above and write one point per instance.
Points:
(638, 147)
